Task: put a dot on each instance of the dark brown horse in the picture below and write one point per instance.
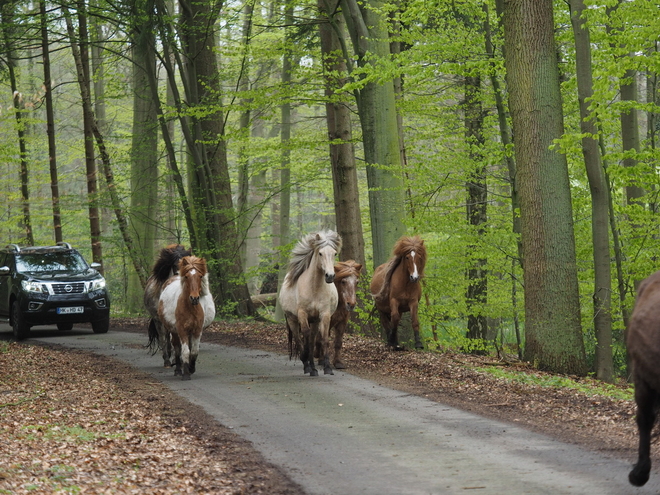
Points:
(347, 274)
(396, 287)
(166, 266)
(643, 343)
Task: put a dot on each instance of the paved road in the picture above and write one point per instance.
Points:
(343, 435)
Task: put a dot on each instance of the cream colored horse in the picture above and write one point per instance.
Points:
(309, 297)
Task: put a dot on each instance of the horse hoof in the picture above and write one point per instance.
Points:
(185, 377)
(313, 373)
(638, 477)
(177, 373)
(328, 371)
(339, 365)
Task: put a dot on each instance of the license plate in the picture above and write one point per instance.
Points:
(70, 310)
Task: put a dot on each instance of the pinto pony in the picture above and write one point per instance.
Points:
(643, 341)
(185, 309)
(309, 297)
(396, 287)
(166, 266)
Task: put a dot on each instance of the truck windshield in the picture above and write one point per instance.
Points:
(50, 262)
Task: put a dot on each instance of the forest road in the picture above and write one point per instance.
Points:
(343, 435)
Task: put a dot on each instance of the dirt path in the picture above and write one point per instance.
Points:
(343, 434)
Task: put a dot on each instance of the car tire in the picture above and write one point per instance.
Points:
(64, 326)
(101, 326)
(20, 328)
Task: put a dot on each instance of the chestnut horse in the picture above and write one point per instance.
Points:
(185, 309)
(166, 266)
(347, 274)
(309, 297)
(396, 287)
(643, 341)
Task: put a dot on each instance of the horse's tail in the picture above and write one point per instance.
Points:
(154, 343)
(290, 336)
(294, 349)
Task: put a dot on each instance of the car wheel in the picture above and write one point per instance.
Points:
(101, 326)
(21, 329)
(64, 326)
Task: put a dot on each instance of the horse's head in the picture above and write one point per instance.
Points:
(346, 280)
(328, 244)
(412, 252)
(192, 271)
(325, 261)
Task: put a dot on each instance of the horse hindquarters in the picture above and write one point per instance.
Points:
(648, 401)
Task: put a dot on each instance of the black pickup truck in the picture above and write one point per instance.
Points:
(46, 285)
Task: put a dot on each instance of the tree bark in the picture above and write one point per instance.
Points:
(50, 125)
(598, 188)
(477, 195)
(552, 306)
(378, 117)
(24, 174)
(340, 135)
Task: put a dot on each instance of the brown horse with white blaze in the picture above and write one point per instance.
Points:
(643, 341)
(396, 287)
(185, 309)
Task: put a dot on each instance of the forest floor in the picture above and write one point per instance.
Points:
(75, 422)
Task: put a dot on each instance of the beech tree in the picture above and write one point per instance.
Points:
(553, 334)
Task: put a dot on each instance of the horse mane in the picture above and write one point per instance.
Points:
(303, 252)
(404, 246)
(168, 261)
(345, 269)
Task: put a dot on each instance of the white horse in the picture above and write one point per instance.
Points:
(309, 297)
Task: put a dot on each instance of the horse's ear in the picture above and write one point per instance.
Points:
(318, 236)
(358, 268)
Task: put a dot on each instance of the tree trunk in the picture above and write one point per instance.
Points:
(599, 196)
(285, 171)
(477, 195)
(552, 306)
(377, 110)
(50, 125)
(83, 84)
(213, 191)
(342, 151)
(88, 132)
(7, 28)
(144, 152)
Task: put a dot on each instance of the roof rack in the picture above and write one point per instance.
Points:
(65, 244)
(14, 247)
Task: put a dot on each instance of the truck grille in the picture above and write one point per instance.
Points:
(70, 288)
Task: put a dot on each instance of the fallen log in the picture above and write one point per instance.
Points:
(264, 300)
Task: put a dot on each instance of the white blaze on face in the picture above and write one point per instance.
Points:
(193, 271)
(415, 274)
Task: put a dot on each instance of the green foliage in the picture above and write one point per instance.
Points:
(588, 386)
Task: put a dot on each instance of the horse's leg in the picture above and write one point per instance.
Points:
(176, 344)
(194, 351)
(165, 343)
(307, 350)
(340, 328)
(395, 318)
(646, 399)
(324, 336)
(414, 308)
(185, 358)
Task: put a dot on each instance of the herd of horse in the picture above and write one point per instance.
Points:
(319, 294)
